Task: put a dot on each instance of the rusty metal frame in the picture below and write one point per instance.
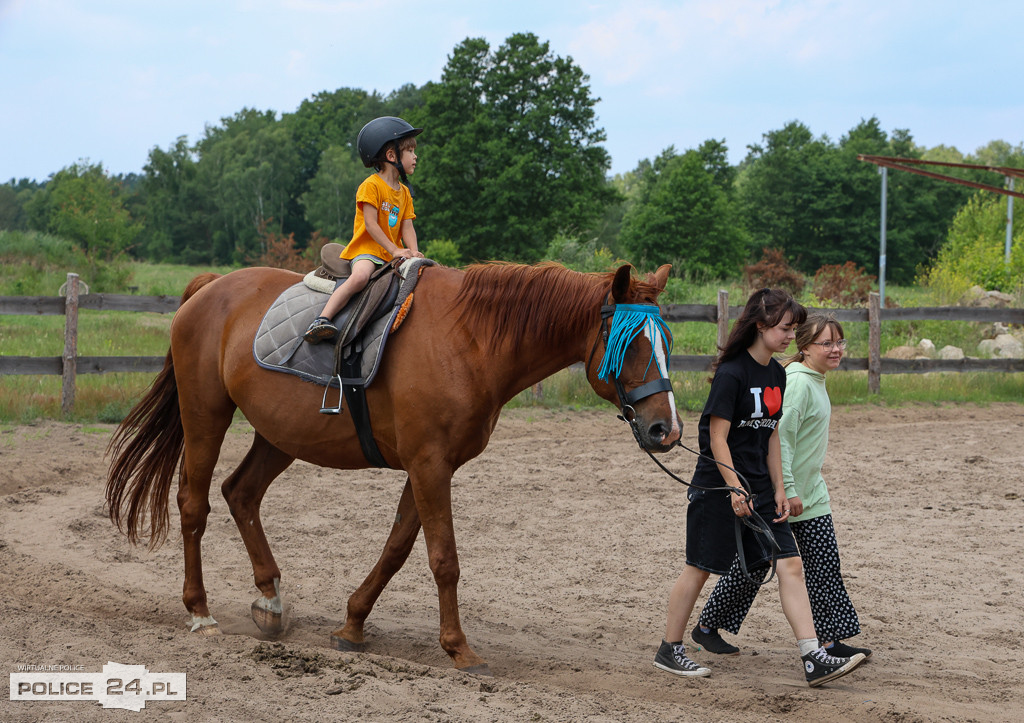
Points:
(907, 164)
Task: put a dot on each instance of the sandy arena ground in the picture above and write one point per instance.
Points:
(569, 539)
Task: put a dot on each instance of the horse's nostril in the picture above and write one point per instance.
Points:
(657, 431)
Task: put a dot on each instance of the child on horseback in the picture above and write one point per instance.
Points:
(383, 227)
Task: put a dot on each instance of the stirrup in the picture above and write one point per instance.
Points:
(324, 409)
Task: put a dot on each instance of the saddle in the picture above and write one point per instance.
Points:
(368, 319)
(365, 325)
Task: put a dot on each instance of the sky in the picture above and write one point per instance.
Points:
(106, 81)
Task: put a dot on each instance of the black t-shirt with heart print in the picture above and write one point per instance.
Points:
(749, 395)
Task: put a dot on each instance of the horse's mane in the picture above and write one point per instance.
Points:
(544, 303)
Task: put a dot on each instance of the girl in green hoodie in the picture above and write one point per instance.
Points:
(803, 433)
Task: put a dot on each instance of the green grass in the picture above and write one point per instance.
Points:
(103, 398)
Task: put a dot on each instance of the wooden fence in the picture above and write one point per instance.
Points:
(69, 365)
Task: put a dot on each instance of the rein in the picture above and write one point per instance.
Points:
(627, 322)
(754, 521)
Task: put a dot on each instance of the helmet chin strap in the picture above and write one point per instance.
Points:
(401, 171)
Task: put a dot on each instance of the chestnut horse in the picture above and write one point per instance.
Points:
(472, 340)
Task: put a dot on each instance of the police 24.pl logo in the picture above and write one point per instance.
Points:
(119, 686)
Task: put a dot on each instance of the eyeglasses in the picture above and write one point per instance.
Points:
(827, 345)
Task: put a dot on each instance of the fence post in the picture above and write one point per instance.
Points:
(723, 318)
(874, 343)
(67, 391)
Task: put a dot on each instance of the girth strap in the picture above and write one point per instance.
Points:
(355, 396)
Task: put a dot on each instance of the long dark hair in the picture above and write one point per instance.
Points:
(765, 307)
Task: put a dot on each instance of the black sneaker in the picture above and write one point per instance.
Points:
(672, 658)
(713, 642)
(320, 329)
(820, 667)
(847, 651)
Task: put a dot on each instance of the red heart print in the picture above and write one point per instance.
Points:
(772, 400)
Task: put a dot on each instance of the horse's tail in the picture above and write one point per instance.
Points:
(147, 450)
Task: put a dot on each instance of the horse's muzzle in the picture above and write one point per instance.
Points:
(658, 435)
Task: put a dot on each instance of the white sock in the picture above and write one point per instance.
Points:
(807, 645)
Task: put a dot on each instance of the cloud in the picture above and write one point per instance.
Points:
(657, 44)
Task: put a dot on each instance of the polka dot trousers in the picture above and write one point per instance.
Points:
(834, 615)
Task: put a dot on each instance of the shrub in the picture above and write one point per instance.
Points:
(773, 271)
(280, 252)
(974, 252)
(36, 263)
(443, 251)
(843, 284)
(579, 255)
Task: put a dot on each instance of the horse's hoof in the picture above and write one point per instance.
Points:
(209, 630)
(481, 669)
(205, 626)
(345, 645)
(269, 621)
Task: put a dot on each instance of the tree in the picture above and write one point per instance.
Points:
(84, 205)
(330, 202)
(330, 119)
(12, 214)
(250, 169)
(511, 154)
(818, 201)
(177, 211)
(684, 216)
(777, 195)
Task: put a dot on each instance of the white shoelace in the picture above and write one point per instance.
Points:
(679, 653)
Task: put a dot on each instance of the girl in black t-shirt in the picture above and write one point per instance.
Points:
(738, 429)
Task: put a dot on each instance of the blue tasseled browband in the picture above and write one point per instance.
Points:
(628, 322)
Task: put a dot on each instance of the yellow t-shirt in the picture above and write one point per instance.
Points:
(393, 207)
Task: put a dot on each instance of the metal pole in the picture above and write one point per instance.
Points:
(881, 250)
(1009, 221)
(874, 343)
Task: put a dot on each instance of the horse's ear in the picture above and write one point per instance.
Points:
(660, 277)
(621, 282)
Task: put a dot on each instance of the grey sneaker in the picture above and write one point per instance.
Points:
(820, 667)
(671, 657)
(320, 329)
(713, 642)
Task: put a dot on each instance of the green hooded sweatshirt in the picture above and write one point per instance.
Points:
(803, 432)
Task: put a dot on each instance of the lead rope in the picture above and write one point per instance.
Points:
(755, 522)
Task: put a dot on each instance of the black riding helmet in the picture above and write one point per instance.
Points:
(375, 137)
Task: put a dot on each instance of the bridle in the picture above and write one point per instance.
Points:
(640, 315)
(619, 332)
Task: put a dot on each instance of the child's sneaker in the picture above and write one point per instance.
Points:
(820, 667)
(713, 642)
(320, 329)
(671, 657)
(847, 651)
